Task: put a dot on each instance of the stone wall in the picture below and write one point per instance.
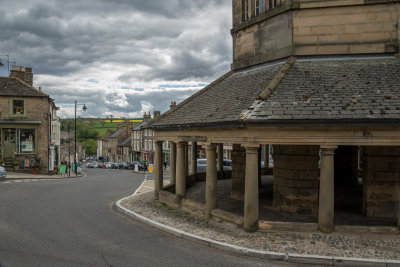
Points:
(381, 181)
(315, 28)
(238, 171)
(37, 109)
(346, 30)
(296, 173)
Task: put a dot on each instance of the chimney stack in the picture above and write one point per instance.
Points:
(23, 74)
(173, 104)
(147, 116)
(157, 114)
(128, 127)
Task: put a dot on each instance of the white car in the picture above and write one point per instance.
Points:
(3, 172)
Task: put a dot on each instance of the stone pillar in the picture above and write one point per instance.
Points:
(238, 171)
(266, 156)
(381, 181)
(173, 163)
(251, 190)
(158, 169)
(194, 158)
(295, 184)
(326, 209)
(220, 157)
(211, 180)
(186, 159)
(180, 186)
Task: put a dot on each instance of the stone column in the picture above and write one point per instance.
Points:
(251, 190)
(220, 157)
(266, 156)
(326, 210)
(180, 186)
(194, 158)
(186, 159)
(173, 163)
(158, 169)
(211, 180)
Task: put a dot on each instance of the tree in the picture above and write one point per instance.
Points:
(90, 146)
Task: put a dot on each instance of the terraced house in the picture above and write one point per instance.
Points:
(320, 82)
(29, 126)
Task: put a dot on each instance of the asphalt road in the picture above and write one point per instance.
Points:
(71, 222)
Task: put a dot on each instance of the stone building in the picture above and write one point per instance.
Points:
(320, 82)
(27, 121)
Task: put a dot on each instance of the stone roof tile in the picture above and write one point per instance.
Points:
(10, 86)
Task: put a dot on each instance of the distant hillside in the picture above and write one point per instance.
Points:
(88, 128)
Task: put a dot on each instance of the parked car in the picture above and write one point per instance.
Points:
(202, 165)
(141, 166)
(114, 165)
(3, 172)
(108, 164)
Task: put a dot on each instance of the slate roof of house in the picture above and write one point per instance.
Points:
(140, 125)
(312, 89)
(10, 86)
(117, 133)
(126, 142)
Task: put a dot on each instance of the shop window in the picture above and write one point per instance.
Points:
(18, 107)
(26, 141)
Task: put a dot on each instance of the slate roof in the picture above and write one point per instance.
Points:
(10, 86)
(117, 133)
(314, 89)
(126, 142)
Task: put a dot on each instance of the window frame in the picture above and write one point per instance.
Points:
(12, 107)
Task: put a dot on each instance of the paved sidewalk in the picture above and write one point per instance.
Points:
(20, 175)
(338, 248)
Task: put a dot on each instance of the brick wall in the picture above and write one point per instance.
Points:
(381, 181)
(296, 173)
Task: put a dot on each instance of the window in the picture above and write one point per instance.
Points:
(259, 7)
(245, 9)
(272, 3)
(26, 141)
(18, 107)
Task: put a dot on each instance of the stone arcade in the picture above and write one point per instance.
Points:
(320, 82)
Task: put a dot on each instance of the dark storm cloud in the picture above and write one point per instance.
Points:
(129, 43)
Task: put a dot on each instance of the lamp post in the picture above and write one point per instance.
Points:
(76, 154)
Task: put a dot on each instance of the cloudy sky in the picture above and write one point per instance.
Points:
(120, 57)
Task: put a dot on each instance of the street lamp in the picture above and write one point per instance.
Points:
(76, 154)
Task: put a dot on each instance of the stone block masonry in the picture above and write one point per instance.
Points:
(296, 172)
(381, 181)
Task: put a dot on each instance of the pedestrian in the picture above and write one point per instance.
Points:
(165, 165)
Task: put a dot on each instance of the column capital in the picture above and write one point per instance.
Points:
(251, 149)
(328, 147)
(211, 145)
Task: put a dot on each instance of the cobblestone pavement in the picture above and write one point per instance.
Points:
(337, 244)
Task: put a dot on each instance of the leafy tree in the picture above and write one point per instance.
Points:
(90, 147)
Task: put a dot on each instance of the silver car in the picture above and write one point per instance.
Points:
(202, 165)
(3, 172)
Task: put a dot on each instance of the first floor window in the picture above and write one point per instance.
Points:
(260, 7)
(245, 9)
(26, 141)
